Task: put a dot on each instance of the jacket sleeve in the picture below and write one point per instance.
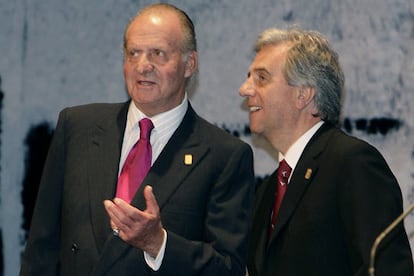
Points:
(371, 199)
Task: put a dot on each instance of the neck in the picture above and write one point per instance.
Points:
(282, 141)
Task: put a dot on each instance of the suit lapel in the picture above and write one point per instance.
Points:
(103, 171)
(302, 177)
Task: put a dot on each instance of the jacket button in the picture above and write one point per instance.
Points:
(74, 248)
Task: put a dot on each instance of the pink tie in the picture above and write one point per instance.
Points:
(283, 173)
(137, 164)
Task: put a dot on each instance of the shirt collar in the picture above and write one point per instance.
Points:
(295, 150)
(135, 115)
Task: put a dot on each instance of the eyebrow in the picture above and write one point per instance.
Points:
(261, 70)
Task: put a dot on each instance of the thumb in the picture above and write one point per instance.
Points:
(152, 205)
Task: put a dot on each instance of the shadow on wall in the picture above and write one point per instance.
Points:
(372, 126)
(37, 144)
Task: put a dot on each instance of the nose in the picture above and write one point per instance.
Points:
(246, 89)
(144, 64)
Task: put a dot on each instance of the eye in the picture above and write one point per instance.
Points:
(158, 56)
(159, 53)
(260, 78)
(132, 53)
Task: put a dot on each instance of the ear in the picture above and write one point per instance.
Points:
(305, 96)
(191, 64)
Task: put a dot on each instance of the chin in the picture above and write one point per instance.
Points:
(253, 129)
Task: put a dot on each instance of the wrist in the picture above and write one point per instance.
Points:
(157, 243)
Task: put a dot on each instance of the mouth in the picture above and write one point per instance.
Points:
(145, 83)
(253, 109)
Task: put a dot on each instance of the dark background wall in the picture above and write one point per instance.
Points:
(57, 53)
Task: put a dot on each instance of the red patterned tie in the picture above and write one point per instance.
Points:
(283, 173)
(137, 164)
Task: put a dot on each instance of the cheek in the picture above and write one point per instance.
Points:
(127, 71)
(274, 98)
(173, 74)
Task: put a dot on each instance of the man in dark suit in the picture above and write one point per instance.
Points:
(339, 193)
(190, 215)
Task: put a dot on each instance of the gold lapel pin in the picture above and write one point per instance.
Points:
(308, 174)
(188, 159)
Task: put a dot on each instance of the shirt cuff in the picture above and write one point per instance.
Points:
(155, 263)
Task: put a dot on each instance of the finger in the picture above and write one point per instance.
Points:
(109, 206)
(129, 212)
(115, 212)
(152, 205)
(120, 203)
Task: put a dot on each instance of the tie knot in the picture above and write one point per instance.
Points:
(284, 169)
(145, 126)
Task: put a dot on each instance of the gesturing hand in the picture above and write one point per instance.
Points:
(140, 229)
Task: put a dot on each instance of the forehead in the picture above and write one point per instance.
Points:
(270, 57)
(155, 28)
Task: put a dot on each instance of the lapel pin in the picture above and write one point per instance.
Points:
(188, 159)
(308, 174)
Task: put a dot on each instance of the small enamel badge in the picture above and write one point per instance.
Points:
(188, 159)
(308, 174)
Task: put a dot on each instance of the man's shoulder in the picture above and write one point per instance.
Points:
(93, 110)
(211, 132)
(215, 131)
(87, 114)
(95, 107)
(343, 143)
(219, 138)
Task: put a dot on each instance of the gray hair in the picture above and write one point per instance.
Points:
(310, 62)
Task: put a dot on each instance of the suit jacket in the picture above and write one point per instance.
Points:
(341, 195)
(205, 206)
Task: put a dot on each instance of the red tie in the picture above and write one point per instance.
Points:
(283, 173)
(137, 164)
